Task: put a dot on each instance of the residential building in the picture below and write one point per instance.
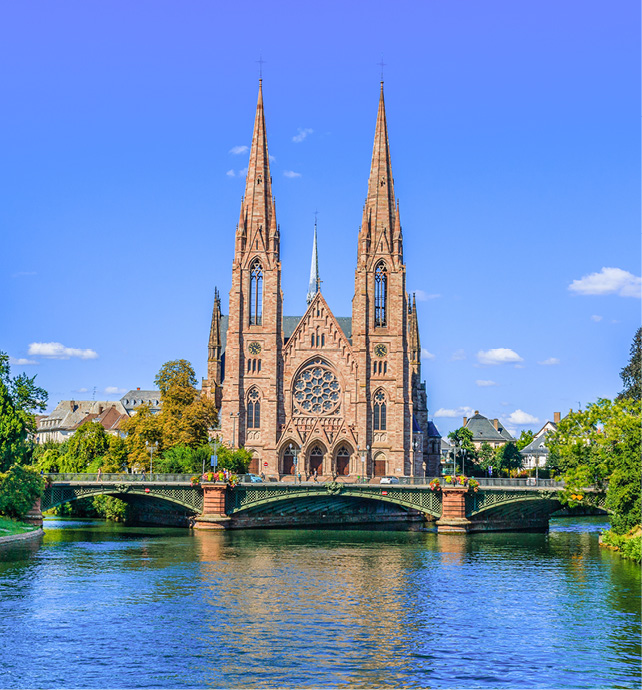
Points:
(485, 430)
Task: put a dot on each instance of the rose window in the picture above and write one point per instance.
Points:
(316, 390)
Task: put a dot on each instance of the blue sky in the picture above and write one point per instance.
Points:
(514, 132)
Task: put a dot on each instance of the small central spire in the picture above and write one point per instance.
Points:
(315, 281)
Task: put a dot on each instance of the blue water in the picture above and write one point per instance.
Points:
(99, 605)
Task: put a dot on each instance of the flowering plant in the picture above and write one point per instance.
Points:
(195, 481)
(435, 485)
(473, 484)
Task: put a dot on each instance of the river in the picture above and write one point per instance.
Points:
(100, 605)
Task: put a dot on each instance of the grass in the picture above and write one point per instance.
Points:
(9, 527)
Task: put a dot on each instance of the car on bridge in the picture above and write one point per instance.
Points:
(251, 478)
(389, 480)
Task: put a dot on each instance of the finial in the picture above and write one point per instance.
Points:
(381, 64)
(260, 62)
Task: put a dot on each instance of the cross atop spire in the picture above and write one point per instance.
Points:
(315, 281)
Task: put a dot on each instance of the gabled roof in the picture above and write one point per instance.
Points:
(536, 446)
(289, 325)
(138, 397)
(484, 430)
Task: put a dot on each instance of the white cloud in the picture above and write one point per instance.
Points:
(485, 383)
(230, 173)
(59, 351)
(423, 296)
(609, 281)
(82, 390)
(21, 361)
(272, 158)
(235, 150)
(302, 134)
(457, 412)
(291, 173)
(457, 355)
(596, 318)
(112, 390)
(498, 355)
(426, 355)
(549, 362)
(522, 418)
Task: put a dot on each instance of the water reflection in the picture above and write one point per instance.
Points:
(110, 606)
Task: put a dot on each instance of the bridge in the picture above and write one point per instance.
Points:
(495, 505)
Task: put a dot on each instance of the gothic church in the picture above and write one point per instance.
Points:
(338, 396)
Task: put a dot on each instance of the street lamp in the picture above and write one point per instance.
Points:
(417, 447)
(152, 447)
(214, 445)
(295, 453)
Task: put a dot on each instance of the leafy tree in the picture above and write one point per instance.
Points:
(19, 489)
(462, 439)
(89, 444)
(236, 461)
(185, 417)
(507, 458)
(20, 398)
(525, 438)
(485, 456)
(111, 508)
(116, 458)
(143, 427)
(598, 445)
(632, 373)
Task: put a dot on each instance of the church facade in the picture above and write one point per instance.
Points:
(335, 396)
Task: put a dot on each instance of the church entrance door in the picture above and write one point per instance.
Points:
(254, 466)
(288, 463)
(343, 462)
(316, 460)
(380, 466)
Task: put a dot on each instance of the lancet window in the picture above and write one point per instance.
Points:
(253, 409)
(256, 293)
(381, 294)
(379, 411)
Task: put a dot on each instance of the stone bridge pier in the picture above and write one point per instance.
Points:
(453, 516)
(214, 514)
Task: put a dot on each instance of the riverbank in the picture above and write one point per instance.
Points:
(627, 545)
(14, 530)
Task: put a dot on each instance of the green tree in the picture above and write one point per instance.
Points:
(19, 489)
(85, 449)
(20, 398)
(598, 445)
(485, 456)
(632, 373)
(462, 440)
(524, 439)
(507, 458)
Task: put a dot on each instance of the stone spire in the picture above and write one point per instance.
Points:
(315, 281)
(257, 222)
(212, 385)
(378, 229)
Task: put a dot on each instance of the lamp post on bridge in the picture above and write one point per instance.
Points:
(295, 454)
(152, 447)
(214, 445)
(234, 416)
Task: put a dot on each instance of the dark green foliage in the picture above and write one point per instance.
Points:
(632, 373)
(507, 458)
(462, 440)
(19, 399)
(185, 460)
(20, 487)
(236, 461)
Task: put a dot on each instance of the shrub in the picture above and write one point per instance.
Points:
(20, 487)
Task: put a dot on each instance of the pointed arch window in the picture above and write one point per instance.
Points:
(381, 294)
(253, 409)
(379, 411)
(256, 293)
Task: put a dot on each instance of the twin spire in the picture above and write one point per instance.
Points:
(380, 229)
